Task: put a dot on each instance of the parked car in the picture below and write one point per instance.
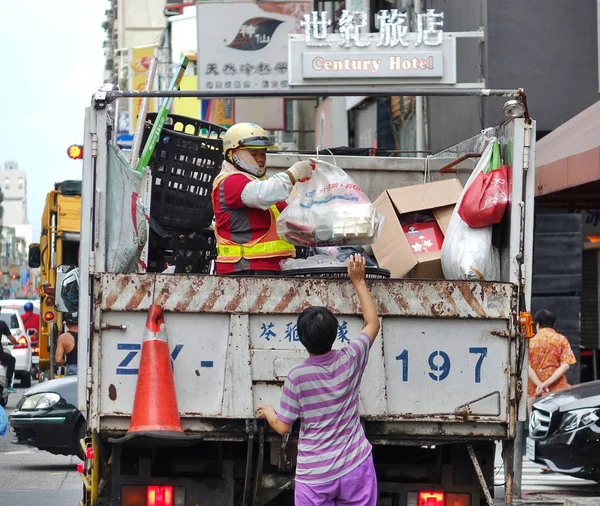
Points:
(46, 417)
(22, 351)
(564, 431)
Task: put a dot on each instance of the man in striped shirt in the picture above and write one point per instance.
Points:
(334, 464)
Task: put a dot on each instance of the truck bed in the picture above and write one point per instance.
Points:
(444, 349)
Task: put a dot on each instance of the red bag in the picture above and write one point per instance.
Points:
(485, 200)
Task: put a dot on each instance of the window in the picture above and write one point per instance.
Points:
(21, 183)
(7, 183)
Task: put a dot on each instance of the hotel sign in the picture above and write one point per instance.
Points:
(352, 56)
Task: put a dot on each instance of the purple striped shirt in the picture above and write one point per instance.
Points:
(323, 392)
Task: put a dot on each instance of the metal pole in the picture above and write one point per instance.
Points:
(319, 92)
(419, 112)
(518, 464)
(139, 132)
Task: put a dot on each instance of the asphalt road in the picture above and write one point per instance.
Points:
(29, 477)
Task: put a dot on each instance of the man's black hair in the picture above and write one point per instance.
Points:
(545, 318)
(317, 329)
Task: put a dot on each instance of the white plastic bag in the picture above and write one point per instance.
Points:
(468, 253)
(329, 209)
(126, 227)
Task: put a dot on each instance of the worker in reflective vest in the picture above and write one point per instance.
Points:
(246, 204)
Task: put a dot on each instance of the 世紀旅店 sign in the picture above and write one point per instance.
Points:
(354, 56)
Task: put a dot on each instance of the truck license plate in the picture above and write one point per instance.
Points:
(530, 449)
(35, 360)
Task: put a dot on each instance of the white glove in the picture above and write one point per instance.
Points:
(301, 170)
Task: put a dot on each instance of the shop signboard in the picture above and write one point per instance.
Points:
(354, 56)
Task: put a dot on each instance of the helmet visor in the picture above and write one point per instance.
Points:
(259, 142)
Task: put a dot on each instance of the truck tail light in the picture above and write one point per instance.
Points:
(21, 343)
(458, 499)
(429, 498)
(49, 316)
(49, 300)
(152, 495)
(159, 496)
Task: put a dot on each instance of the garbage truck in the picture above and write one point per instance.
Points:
(59, 245)
(443, 385)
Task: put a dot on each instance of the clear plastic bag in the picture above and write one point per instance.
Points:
(468, 253)
(330, 209)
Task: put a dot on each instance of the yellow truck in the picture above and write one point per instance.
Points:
(59, 245)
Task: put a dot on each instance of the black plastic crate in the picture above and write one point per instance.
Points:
(183, 168)
(190, 126)
(190, 252)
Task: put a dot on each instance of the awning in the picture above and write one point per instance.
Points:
(568, 163)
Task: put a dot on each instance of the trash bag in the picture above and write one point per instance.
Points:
(329, 209)
(3, 422)
(468, 253)
(126, 226)
(485, 201)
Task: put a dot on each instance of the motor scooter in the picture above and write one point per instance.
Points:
(3, 386)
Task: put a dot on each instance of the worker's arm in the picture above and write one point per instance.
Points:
(356, 272)
(268, 412)
(59, 354)
(263, 194)
(559, 373)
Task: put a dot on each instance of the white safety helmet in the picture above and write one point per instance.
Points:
(241, 137)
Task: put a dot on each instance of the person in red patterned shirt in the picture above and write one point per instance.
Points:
(246, 204)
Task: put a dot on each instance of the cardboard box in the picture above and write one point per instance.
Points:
(392, 249)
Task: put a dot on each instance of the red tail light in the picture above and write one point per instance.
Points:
(48, 316)
(21, 343)
(49, 301)
(159, 496)
(427, 498)
(36, 351)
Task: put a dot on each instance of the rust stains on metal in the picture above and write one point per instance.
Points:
(114, 295)
(262, 297)
(469, 296)
(285, 300)
(112, 392)
(499, 333)
(139, 295)
(190, 293)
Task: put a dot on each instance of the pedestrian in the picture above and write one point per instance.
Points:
(334, 464)
(6, 359)
(246, 204)
(550, 356)
(30, 319)
(66, 345)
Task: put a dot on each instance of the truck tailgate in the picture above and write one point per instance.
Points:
(443, 357)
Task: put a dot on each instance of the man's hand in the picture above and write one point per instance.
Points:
(301, 171)
(356, 268)
(266, 411)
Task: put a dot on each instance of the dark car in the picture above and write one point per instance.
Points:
(47, 418)
(564, 431)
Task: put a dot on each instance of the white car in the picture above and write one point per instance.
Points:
(22, 351)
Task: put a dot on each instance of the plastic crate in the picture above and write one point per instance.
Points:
(183, 168)
(190, 126)
(190, 252)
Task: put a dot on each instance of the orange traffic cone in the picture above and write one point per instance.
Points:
(155, 410)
